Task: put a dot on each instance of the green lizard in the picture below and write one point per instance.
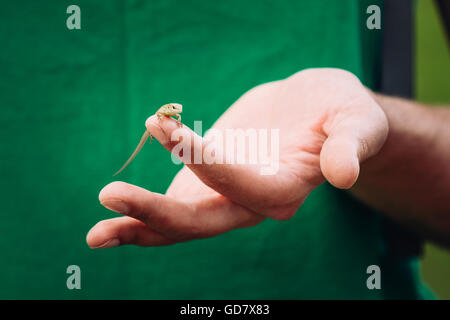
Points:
(168, 110)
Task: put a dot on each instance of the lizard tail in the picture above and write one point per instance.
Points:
(136, 151)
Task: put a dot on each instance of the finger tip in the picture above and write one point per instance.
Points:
(112, 189)
(92, 238)
(339, 163)
(340, 169)
(161, 129)
(100, 237)
(151, 122)
(343, 175)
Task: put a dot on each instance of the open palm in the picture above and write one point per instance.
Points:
(328, 124)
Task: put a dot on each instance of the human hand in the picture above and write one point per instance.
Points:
(328, 124)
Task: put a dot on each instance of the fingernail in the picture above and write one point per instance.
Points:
(108, 244)
(116, 205)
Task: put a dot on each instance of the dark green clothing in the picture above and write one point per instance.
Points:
(73, 105)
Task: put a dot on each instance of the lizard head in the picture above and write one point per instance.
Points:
(171, 109)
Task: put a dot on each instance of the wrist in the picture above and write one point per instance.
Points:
(412, 130)
(408, 178)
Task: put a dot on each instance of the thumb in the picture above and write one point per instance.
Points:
(351, 142)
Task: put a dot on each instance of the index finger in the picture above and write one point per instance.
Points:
(242, 183)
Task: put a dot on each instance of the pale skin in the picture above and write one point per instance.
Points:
(389, 152)
(168, 110)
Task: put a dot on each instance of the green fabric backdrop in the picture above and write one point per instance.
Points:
(73, 105)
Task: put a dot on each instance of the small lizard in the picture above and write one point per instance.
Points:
(168, 110)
